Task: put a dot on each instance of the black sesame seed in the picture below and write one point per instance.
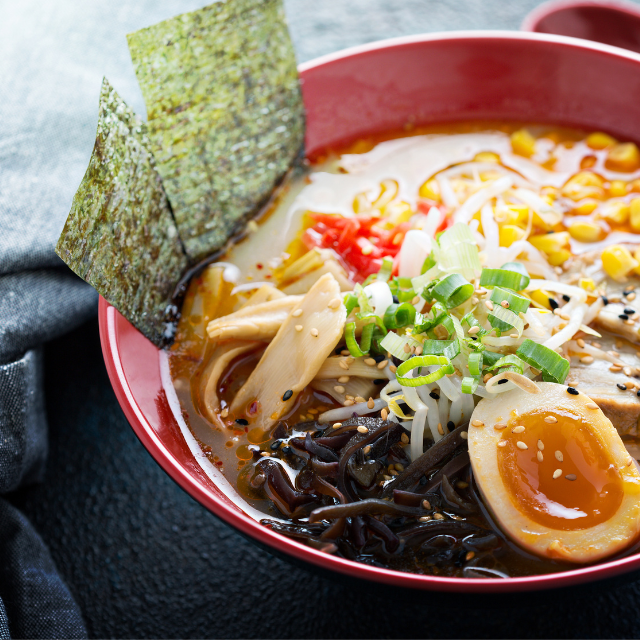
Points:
(553, 304)
(605, 300)
(629, 310)
(572, 391)
(287, 394)
(286, 450)
(450, 425)
(623, 316)
(622, 387)
(434, 395)
(626, 292)
(396, 299)
(423, 480)
(380, 381)
(503, 381)
(638, 393)
(378, 358)
(275, 445)
(565, 297)
(242, 421)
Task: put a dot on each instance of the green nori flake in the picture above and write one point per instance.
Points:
(225, 113)
(120, 235)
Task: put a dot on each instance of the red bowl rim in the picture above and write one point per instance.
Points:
(289, 547)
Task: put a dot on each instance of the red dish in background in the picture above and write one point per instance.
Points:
(381, 87)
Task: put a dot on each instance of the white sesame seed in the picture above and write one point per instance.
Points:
(370, 362)
(406, 348)
(342, 363)
(464, 435)
(540, 445)
(297, 313)
(580, 343)
(627, 371)
(499, 425)
(502, 443)
(477, 423)
(557, 473)
(504, 304)
(366, 449)
(359, 399)
(591, 405)
(335, 303)
(438, 516)
(343, 379)
(418, 350)
(521, 445)
(393, 368)
(559, 456)
(586, 359)
(514, 336)
(551, 419)
(348, 403)
(363, 429)
(314, 332)
(518, 429)
(337, 425)
(383, 414)
(224, 413)
(473, 330)
(571, 476)
(404, 438)
(629, 461)
(382, 364)
(416, 300)
(424, 518)
(370, 403)
(489, 304)
(299, 327)
(539, 456)
(339, 389)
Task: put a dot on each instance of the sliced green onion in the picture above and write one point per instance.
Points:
(394, 344)
(553, 366)
(363, 301)
(475, 364)
(504, 278)
(405, 283)
(452, 290)
(420, 282)
(416, 362)
(399, 315)
(429, 262)
(471, 321)
(372, 317)
(447, 325)
(385, 270)
(424, 323)
(457, 252)
(489, 358)
(351, 302)
(518, 267)
(509, 363)
(503, 319)
(458, 328)
(517, 303)
(470, 384)
(448, 348)
(365, 340)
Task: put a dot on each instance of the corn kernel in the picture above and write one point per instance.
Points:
(634, 214)
(585, 207)
(618, 188)
(400, 212)
(585, 231)
(599, 140)
(618, 262)
(431, 190)
(510, 233)
(587, 284)
(616, 211)
(550, 242)
(541, 297)
(487, 156)
(523, 143)
(516, 214)
(623, 157)
(585, 184)
(556, 258)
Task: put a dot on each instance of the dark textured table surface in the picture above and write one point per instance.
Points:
(145, 560)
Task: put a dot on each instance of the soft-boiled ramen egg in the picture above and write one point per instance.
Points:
(555, 474)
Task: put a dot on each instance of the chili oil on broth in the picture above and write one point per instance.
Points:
(260, 257)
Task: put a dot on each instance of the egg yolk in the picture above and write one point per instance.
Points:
(557, 472)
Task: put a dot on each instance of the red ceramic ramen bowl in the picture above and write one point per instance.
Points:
(381, 87)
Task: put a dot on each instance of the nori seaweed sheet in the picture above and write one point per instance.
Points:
(225, 113)
(120, 235)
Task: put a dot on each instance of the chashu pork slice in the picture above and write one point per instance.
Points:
(613, 318)
(253, 322)
(600, 383)
(293, 358)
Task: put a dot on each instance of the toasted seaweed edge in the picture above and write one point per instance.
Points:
(119, 207)
(213, 124)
